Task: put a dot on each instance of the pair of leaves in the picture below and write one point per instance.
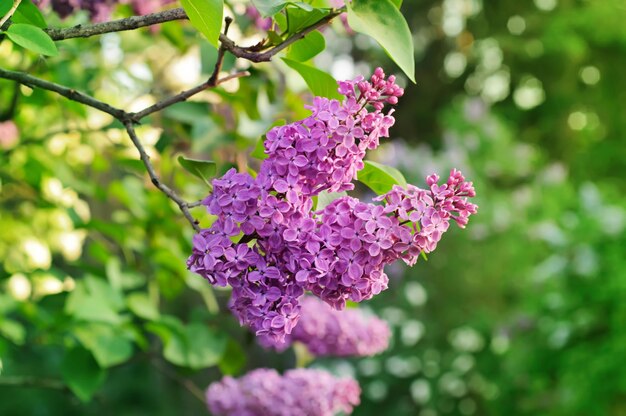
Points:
(26, 29)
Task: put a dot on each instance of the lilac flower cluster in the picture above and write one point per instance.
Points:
(284, 248)
(328, 332)
(300, 392)
(100, 10)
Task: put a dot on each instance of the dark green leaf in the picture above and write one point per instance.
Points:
(108, 346)
(380, 178)
(203, 169)
(195, 345)
(307, 47)
(81, 373)
(32, 38)
(27, 12)
(233, 360)
(319, 82)
(206, 16)
(382, 20)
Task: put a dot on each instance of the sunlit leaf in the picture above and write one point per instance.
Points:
(203, 169)
(320, 83)
(307, 47)
(27, 12)
(380, 178)
(33, 38)
(206, 16)
(382, 20)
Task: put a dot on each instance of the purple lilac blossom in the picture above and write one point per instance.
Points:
(328, 332)
(339, 253)
(300, 392)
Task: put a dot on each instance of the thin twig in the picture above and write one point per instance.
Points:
(185, 382)
(130, 129)
(220, 54)
(29, 381)
(12, 10)
(183, 96)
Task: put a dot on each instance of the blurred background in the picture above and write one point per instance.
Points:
(522, 313)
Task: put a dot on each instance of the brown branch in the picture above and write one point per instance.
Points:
(183, 96)
(129, 23)
(69, 93)
(220, 54)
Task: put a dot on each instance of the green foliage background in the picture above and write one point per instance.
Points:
(523, 313)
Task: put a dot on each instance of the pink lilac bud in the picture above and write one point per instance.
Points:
(300, 392)
(261, 23)
(328, 332)
(9, 134)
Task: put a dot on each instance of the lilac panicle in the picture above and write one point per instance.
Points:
(300, 392)
(328, 332)
(283, 248)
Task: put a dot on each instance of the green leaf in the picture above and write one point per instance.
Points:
(269, 8)
(233, 360)
(5, 6)
(108, 346)
(85, 305)
(397, 3)
(382, 20)
(32, 38)
(299, 19)
(203, 169)
(324, 198)
(206, 16)
(27, 12)
(259, 150)
(319, 82)
(12, 330)
(194, 346)
(307, 47)
(141, 305)
(380, 178)
(81, 373)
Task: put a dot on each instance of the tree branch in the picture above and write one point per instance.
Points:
(183, 96)
(129, 23)
(228, 44)
(69, 93)
(30, 381)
